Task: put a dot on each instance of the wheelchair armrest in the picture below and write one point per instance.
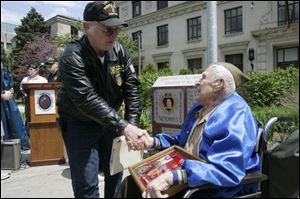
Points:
(254, 177)
(248, 179)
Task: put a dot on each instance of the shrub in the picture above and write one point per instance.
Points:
(269, 88)
(146, 122)
(147, 79)
(185, 71)
(149, 68)
(263, 114)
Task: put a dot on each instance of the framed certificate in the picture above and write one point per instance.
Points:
(150, 168)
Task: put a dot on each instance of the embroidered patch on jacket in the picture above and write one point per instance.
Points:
(116, 72)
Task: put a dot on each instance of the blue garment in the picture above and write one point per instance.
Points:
(88, 144)
(10, 115)
(227, 145)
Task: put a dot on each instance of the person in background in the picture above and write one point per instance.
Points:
(52, 66)
(11, 120)
(97, 76)
(33, 75)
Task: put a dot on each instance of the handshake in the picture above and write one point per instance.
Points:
(137, 139)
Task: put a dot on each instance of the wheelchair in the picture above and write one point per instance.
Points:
(269, 183)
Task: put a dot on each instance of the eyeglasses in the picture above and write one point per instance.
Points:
(109, 31)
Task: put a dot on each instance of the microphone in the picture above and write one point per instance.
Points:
(37, 69)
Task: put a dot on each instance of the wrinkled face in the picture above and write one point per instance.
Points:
(102, 38)
(205, 87)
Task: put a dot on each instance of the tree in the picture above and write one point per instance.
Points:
(6, 59)
(38, 51)
(127, 42)
(31, 25)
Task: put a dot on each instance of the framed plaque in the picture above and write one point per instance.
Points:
(44, 102)
(150, 168)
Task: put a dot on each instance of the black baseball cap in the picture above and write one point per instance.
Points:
(104, 12)
(51, 60)
(34, 66)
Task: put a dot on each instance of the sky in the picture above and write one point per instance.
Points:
(13, 11)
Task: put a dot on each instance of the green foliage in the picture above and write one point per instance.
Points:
(269, 88)
(62, 41)
(165, 72)
(147, 79)
(199, 70)
(6, 59)
(146, 122)
(149, 68)
(185, 71)
(31, 25)
(127, 42)
(263, 114)
(273, 94)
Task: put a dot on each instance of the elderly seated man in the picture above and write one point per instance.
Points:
(221, 130)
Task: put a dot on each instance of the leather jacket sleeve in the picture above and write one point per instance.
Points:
(80, 90)
(131, 90)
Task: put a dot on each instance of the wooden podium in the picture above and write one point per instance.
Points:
(47, 146)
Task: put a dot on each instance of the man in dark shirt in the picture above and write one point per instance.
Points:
(52, 66)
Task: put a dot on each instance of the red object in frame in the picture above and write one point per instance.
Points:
(151, 170)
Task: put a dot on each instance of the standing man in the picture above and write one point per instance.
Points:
(52, 66)
(97, 75)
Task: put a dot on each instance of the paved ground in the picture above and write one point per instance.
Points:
(39, 182)
(51, 181)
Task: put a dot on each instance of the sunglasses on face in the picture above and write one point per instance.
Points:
(109, 30)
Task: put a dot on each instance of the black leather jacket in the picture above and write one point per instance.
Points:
(93, 92)
(54, 77)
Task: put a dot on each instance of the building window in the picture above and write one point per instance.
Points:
(233, 20)
(194, 65)
(135, 38)
(74, 32)
(118, 11)
(162, 4)
(288, 12)
(162, 35)
(236, 60)
(194, 28)
(8, 45)
(136, 8)
(162, 65)
(288, 56)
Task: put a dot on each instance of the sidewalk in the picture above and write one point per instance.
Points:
(39, 182)
(51, 181)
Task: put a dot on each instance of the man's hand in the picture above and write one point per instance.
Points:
(147, 142)
(156, 186)
(135, 137)
(6, 95)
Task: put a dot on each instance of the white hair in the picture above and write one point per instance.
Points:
(220, 72)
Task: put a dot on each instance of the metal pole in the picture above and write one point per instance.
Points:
(212, 42)
(139, 52)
